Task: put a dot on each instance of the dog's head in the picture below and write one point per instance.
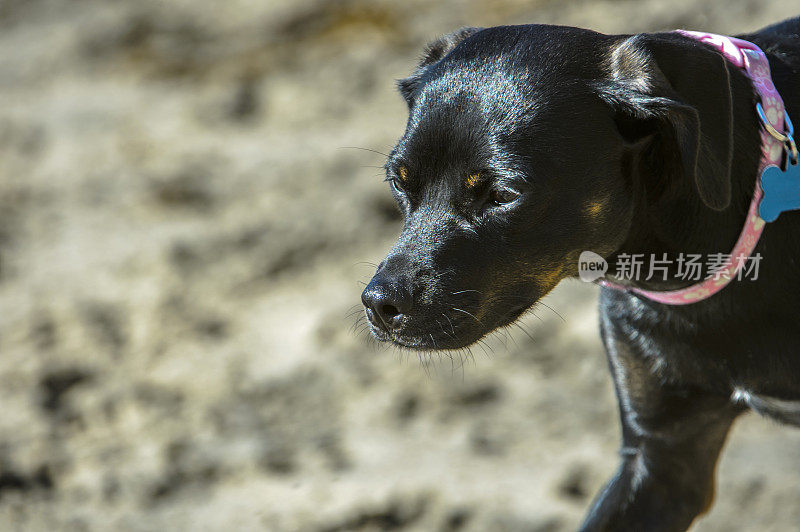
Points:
(526, 145)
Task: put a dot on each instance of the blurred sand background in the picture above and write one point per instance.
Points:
(182, 231)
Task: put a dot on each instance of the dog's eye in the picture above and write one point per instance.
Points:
(397, 180)
(502, 196)
(396, 185)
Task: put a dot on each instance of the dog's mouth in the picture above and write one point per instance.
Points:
(446, 332)
(405, 341)
(418, 340)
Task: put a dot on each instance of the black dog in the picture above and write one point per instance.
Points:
(526, 145)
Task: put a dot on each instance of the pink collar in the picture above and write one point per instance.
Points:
(752, 60)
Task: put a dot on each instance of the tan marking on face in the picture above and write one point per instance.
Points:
(472, 180)
(595, 208)
(550, 278)
(547, 276)
(403, 173)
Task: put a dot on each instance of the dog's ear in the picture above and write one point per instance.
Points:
(677, 89)
(432, 54)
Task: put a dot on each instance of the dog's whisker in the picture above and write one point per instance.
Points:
(444, 331)
(424, 360)
(461, 362)
(356, 318)
(532, 312)
(354, 326)
(511, 336)
(521, 328)
(485, 353)
(354, 312)
(363, 149)
(468, 314)
(450, 322)
(361, 330)
(483, 342)
(545, 305)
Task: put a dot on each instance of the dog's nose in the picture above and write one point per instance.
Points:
(386, 302)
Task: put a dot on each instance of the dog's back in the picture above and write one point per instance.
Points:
(788, 29)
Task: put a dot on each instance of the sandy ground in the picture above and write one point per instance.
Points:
(183, 231)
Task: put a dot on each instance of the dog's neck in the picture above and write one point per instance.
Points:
(680, 222)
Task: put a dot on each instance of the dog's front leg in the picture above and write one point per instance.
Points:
(672, 436)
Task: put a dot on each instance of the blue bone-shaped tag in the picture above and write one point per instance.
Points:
(781, 191)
